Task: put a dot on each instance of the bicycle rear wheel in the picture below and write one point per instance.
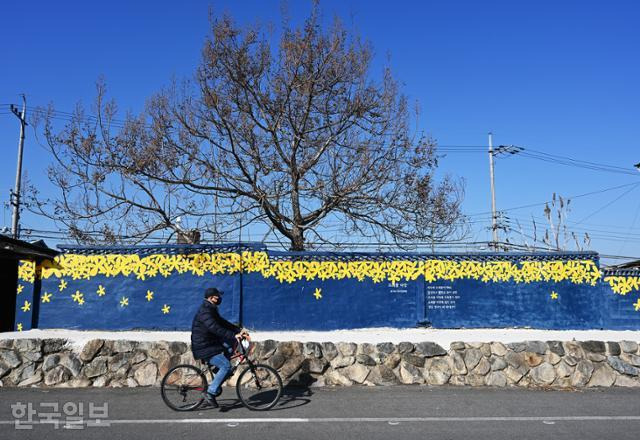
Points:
(182, 387)
(259, 387)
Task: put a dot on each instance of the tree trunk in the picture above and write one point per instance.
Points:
(297, 239)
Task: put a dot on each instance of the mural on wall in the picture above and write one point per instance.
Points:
(85, 267)
(623, 285)
(271, 290)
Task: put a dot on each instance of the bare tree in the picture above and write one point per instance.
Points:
(288, 136)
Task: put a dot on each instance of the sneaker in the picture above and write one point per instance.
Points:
(210, 399)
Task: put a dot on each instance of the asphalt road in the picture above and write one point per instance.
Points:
(405, 412)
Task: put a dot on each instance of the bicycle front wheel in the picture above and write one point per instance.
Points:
(182, 387)
(259, 387)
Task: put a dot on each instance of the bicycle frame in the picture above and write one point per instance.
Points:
(239, 354)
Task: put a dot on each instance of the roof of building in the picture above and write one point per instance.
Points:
(22, 250)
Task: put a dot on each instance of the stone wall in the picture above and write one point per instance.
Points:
(554, 364)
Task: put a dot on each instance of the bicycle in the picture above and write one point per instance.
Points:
(259, 386)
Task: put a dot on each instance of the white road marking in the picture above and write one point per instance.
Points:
(390, 420)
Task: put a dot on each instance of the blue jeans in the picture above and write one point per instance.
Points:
(224, 366)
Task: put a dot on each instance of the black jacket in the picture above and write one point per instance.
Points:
(209, 330)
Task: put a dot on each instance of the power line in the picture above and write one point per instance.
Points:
(524, 152)
(609, 204)
(549, 201)
(546, 157)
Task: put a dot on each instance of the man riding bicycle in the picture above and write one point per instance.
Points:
(212, 341)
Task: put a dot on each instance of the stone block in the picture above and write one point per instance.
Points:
(392, 360)
(50, 361)
(100, 382)
(497, 363)
(71, 362)
(122, 346)
(439, 372)
(413, 359)
(474, 380)
(483, 367)
(553, 358)
(24, 345)
(385, 347)
(574, 349)
(347, 348)
(556, 347)
(335, 378)
(486, 350)
(357, 373)
(496, 379)
(276, 361)
(594, 346)
(317, 365)
(613, 349)
(604, 376)
(405, 347)
(145, 373)
(498, 349)
(626, 381)
(514, 375)
(365, 348)
(429, 349)
(342, 361)
(537, 347)
(177, 347)
(9, 359)
(582, 374)
(365, 359)
(329, 350)
(629, 346)
(543, 374)
(267, 349)
(456, 363)
(97, 367)
(292, 365)
(471, 358)
(563, 369)
(517, 346)
(381, 375)
(533, 359)
(312, 349)
(622, 366)
(56, 375)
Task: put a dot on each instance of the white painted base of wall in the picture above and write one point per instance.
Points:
(443, 337)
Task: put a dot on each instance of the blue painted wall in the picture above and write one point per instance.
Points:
(148, 288)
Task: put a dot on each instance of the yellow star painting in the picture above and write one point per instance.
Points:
(101, 290)
(554, 295)
(46, 297)
(636, 306)
(149, 295)
(78, 297)
(26, 307)
(62, 285)
(165, 309)
(318, 293)
(124, 301)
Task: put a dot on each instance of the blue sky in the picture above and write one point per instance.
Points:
(559, 77)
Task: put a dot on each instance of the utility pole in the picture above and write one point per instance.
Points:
(502, 149)
(494, 217)
(15, 195)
